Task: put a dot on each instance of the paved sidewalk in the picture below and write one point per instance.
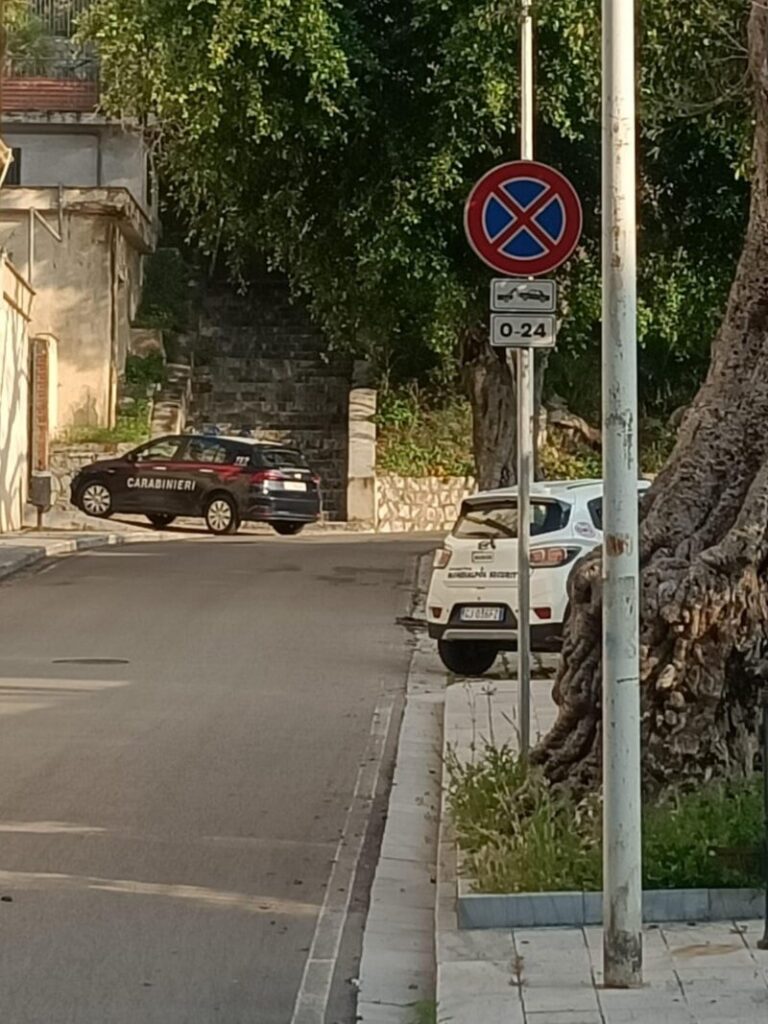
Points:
(694, 974)
(706, 974)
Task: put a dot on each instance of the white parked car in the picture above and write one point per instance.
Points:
(472, 604)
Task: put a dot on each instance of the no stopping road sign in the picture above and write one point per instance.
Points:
(523, 218)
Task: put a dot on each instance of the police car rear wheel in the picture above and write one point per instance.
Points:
(467, 657)
(221, 516)
(160, 521)
(287, 529)
(96, 500)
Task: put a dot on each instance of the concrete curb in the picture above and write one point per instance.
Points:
(15, 557)
(398, 958)
(576, 909)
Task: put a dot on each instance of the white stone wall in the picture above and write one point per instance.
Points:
(419, 504)
(15, 305)
(68, 459)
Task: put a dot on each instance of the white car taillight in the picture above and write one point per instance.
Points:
(442, 558)
(548, 558)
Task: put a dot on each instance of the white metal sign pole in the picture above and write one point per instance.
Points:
(525, 420)
(622, 911)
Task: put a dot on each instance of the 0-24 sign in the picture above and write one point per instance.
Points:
(523, 330)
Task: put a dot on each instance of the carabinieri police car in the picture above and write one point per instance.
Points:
(225, 480)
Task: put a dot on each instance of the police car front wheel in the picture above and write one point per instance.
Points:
(96, 500)
(221, 515)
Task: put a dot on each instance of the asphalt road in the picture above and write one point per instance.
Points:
(171, 810)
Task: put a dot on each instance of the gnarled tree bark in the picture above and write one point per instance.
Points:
(490, 386)
(703, 550)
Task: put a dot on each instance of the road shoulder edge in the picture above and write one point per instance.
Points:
(27, 553)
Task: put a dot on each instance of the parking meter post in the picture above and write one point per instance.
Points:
(763, 943)
(622, 857)
(525, 421)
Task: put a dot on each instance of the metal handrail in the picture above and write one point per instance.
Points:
(82, 69)
(59, 16)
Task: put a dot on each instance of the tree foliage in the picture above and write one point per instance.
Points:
(340, 137)
(703, 549)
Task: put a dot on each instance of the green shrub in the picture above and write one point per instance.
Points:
(518, 835)
(424, 1012)
(417, 436)
(560, 460)
(141, 372)
(421, 434)
(708, 839)
(165, 294)
(132, 426)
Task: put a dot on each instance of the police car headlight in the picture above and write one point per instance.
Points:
(442, 558)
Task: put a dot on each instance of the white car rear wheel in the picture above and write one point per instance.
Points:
(467, 657)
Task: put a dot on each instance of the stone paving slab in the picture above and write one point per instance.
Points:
(693, 975)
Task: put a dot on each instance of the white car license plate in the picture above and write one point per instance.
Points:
(482, 614)
(292, 485)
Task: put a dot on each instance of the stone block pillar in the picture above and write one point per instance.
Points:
(361, 473)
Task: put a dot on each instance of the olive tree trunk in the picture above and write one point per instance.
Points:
(489, 382)
(703, 551)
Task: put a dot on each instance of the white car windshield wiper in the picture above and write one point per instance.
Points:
(495, 524)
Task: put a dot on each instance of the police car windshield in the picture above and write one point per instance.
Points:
(498, 521)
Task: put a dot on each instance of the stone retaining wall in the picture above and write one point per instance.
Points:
(67, 459)
(416, 504)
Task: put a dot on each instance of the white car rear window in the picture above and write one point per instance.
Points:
(498, 520)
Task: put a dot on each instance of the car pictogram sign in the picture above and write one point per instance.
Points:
(523, 218)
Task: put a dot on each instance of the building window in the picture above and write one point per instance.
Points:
(13, 177)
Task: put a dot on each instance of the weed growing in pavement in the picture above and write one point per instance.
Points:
(425, 1012)
(708, 839)
(517, 834)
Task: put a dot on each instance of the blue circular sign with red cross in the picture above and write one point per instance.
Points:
(523, 218)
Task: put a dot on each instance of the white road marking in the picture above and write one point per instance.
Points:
(315, 988)
(253, 904)
(51, 828)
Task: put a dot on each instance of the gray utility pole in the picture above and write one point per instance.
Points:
(622, 884)
(525, 422)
